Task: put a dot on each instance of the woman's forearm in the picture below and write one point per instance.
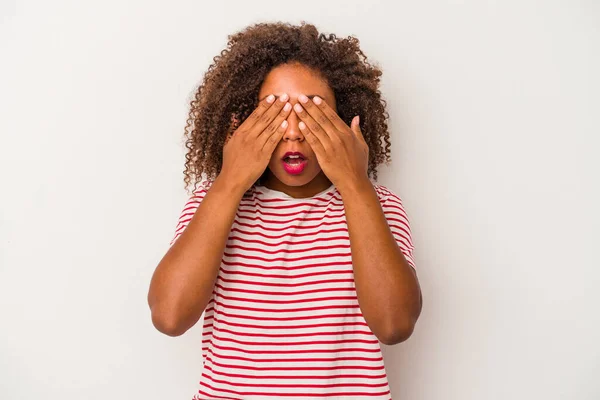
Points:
(386, 286)
(183, 281)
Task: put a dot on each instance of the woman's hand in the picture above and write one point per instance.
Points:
(248, 150)
(341, 150)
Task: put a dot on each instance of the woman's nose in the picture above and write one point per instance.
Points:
(293, 130)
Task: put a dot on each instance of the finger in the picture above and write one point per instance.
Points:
(318, 115)
(272, 140)
(314, 129)
(258, 112)
(266, 134)
(267, 118)
(330, 113)
(355, 126)
(312, 140)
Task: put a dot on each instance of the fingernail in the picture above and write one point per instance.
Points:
(283, 97)
(302, 125)
(303, 98)
(317, 100)
(284, 123)
(298, 107)
(287, 107)
(270, 98)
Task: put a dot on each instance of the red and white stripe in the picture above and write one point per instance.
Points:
(284, 319)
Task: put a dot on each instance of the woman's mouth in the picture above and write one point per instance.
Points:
(294, 165)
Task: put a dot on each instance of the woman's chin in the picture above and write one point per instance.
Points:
(293, 179)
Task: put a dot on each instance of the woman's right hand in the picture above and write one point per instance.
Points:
(248, 150)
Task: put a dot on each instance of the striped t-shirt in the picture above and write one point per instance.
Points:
(284, 320)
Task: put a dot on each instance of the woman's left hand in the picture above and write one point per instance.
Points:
(341, 150)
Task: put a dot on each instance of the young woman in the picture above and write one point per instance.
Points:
(300, 263)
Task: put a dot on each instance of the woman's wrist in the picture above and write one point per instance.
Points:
(227, 184)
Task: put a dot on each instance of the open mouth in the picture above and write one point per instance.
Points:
(294, 164)
(293, 160)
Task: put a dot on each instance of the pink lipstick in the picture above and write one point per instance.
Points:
(294, 162)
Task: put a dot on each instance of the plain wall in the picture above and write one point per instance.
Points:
(495, 119)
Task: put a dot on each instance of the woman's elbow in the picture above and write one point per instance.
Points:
(404, 326)
(167, 323)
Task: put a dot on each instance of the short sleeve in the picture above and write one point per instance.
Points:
(189, 209)
(397, 220)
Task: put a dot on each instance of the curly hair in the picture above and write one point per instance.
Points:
(229, 91)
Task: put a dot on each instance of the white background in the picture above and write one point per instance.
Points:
(495, 119)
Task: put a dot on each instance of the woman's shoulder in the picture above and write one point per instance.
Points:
(384, 193)
(203, 185)
(200, 188)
